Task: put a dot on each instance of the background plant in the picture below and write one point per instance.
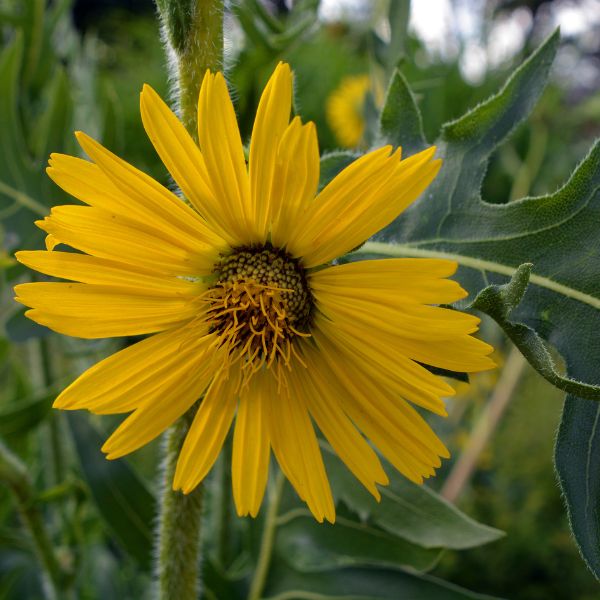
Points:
(98, 517)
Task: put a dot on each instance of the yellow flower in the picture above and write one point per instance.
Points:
(345, 110)
(244, 313)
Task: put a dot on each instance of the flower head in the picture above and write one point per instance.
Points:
(345, 110)
(245, 309)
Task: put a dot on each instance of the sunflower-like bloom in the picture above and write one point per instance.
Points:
(245, 309)
(345, 110)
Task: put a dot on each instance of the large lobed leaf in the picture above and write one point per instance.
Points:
(558, 234)
(374, 550)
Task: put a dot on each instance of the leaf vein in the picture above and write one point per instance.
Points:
(399, 250)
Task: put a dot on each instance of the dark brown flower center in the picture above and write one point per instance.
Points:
(260, 302)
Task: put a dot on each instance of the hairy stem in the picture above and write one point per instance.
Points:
(193, 30)
(178, 566)
(268, 537)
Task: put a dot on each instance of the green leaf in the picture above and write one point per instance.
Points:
(333, 163)
(22, 179)
(20, 329)
(284, 583)
(20, 418)
(498, 301)
(122, 498)
(400, 122)
(558, 234)
(577, 461)
(56, 118)
(14, 166)
(409, 511)
(310, 546)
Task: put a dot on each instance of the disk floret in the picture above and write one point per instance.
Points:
(260, 302)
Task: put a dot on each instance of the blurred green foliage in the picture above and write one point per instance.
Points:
(515, 489)
(56, 79)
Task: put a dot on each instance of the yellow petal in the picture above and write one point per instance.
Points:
(387, 364)
(90, 269)
(223, 154)
(207, 433)
(122, 381)
(392, 281)
(251, 449)
(183, 159)
(297, 451)
(97, 311)
(272, 118)
(323, 400)
(145, 192)
(295, 179)
(178, 390)
(458, 352)
(394, 427)
(359, 202)
(113, 237)
(463, 353)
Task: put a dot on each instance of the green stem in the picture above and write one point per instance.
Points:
(14, 474)
(23, 199)
(197, 57)
(178, 567)
(194, 31)
(268, 537)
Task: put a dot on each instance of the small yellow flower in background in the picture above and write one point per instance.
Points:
(345, 110)
(244, 306)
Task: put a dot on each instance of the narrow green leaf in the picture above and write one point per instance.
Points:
(400, 122)
(20, 418)
(12, 144)
(284, 583)
(270, 22)
(498, 301)
(292, 35)
(122, 498)
(310, 546)
(21, 178)
(56, 118)
(412, 512)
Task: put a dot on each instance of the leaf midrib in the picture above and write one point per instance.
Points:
(401, 250)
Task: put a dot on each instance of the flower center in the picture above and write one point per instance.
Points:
(260, 303)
